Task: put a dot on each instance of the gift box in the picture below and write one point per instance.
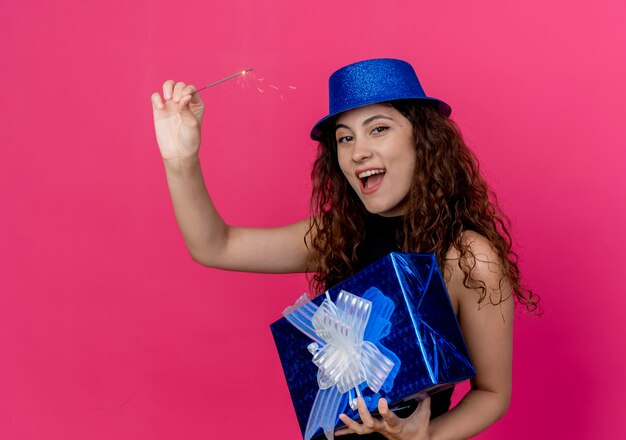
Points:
(387, 331)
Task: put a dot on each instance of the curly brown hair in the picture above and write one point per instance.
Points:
(448, 197)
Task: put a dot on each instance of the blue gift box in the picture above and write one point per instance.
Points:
(415, 328)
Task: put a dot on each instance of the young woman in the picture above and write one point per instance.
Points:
(392, 174)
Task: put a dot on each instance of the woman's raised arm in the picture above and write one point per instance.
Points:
(211, 242)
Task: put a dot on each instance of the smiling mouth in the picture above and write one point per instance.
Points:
(371, 178)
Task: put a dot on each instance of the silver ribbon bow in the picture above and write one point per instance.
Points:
(344, 360)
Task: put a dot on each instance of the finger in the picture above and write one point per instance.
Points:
(388, 416)
(351, 425)
(343, 431)
(178, 91)
(188, 90)
(183, 104)
(368, 421)
(423, 410)
(191, 90)
(186, 114)
(157, 103)
(168, 86)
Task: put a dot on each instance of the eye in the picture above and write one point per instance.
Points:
(379, 129)
(344, 139)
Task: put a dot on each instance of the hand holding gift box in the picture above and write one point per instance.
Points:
(390, 332)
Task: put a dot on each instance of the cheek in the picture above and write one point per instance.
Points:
(408, 164)
(411, 171)
(343, 165)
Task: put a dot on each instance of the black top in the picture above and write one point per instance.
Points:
(382, 236)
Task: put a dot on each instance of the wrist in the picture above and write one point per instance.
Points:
(182, 165)
(181, 162)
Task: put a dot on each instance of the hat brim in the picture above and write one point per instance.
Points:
(319, 128)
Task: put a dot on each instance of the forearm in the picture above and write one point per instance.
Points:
(203, 229)
(475, 412)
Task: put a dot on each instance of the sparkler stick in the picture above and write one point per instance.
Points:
(243, 72)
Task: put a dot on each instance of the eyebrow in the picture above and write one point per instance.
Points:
(367, 121)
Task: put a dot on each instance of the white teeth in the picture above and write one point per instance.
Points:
(370, 173)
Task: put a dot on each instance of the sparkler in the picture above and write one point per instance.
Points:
(235, 75)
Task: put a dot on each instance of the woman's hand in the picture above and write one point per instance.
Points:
(391, 426)
(177, 120)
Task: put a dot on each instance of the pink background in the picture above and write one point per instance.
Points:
(108, 329)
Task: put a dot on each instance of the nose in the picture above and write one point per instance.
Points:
(362, 150)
